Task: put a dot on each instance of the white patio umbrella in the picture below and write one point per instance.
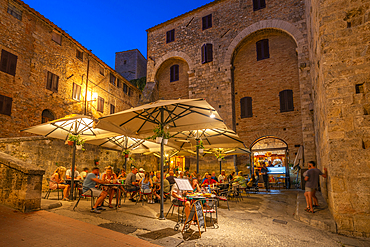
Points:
(172, 115)
(71, 125)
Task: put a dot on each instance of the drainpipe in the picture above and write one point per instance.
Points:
(87, 81)
(233, 109)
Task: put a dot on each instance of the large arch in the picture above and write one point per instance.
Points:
(285, 26)
(169, 55)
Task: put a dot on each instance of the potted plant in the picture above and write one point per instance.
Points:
(71, 139)
(158, 134)
(96, 161)
(126, 152)
(220, 156)
(79, 144)
(200, 146)
(166, 136)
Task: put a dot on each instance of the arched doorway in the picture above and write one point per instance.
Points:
(273, 151)
(47, 116)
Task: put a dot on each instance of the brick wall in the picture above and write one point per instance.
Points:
(30, 39)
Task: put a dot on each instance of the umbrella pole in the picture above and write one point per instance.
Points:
(73, 168)
(220, 167)
(161, 214)
(197, 156)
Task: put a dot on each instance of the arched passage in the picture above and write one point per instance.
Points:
(47, 115)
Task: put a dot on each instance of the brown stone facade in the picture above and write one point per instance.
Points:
(234, 71)
(43, 48)
(340, 69)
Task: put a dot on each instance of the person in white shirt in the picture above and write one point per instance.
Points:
(222, 177)
(140, 174)
(69, 174)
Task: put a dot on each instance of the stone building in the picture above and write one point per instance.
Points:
(131, 64)
(283, 74)
(44, 73)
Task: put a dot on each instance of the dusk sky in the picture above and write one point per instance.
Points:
(111, 26)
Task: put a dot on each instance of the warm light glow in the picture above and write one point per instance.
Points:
(212, 115)
(94, 96)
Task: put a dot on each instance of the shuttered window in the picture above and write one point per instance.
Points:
(101, 70)
(262, 47)
(118, 83)
(56, 37)
(129, 91)
(14, 11)
(112, 79)
(76, 92)
(100, 104)
(207, 53)
(52, 82)
(207, 22)
(5, 105)
(79, 54)
(286, 101)
(112, 109)
(125, 88)
(8, 62)
(170, 36)
(174, 73)
(259, 4)
(246, 107)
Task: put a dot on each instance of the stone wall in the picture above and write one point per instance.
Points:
(234, 23)
(20, 184)
(30, 39)
(49, 153)
(130, 64)
(339, 40)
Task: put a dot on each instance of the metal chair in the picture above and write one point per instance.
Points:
(88, 193)
(211, 208)
(49, 190)
(180, 217)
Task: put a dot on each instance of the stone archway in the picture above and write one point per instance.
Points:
(285, 26)
(173, 54)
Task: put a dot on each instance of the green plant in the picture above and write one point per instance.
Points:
(126, 151)
(96, 160)
(158, 132)
(139, 83)
(220, 156)
(167, 135)
(200, 145)
(73, 138)
(77, 139)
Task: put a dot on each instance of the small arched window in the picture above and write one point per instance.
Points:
(286, 100)
(47, 116)
(246, 107)
(174, 73)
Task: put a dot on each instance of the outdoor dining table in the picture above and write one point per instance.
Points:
(75, 181)
(112, 185)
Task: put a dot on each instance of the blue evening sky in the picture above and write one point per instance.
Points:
(109, 26)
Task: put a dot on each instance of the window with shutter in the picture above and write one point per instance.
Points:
(207, 22)
(112, 79)
(170, 36)
(246, 107)
(112, 109)
(100, 104)
(174, 73)
(56, 37)
(14, 11)
(52, 82)
(262, 47)
(259, 4)
(286, 101)
(8, 62)
(207, 53)
(129, 91)
(76, 92)
(125, 88)
(5, 105)
(79, 54)
(118, 83)
(101, 70)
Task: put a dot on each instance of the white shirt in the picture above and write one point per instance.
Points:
(221, 178)
(69, 173)
(139, 176)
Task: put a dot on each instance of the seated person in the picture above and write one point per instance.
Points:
(84, 173)
(109, 176)
(122, 175)
(56, 182)
(181, 175)
(205, 177)
(195, 185)
(89, 183)
(252, 182)
(230, 177)
(209, 181)
(177, 198)
(213, 176)
(146, 186)
(131, 185)
(240, 180)
(222, 177)
(140, 174)
(171, 177)
(69, 174)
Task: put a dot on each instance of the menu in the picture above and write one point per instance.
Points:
(183, 184)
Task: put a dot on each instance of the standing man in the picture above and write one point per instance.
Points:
(265, 176)
(312, 184)
(90, 183)
(131, 184)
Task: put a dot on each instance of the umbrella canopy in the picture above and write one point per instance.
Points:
(178, 115)
(71, 125)
(169, 115)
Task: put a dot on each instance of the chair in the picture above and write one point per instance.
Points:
(88, 193)
(144, 196)
(180, 217)
(211, 209)
(223, 196)
(49, 190)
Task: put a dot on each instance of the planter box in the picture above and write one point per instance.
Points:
(158, 140)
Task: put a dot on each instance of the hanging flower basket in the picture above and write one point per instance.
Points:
(165, 141)
(158, 139)
(70, 143)
(219, 159)
(201, 150)
(79, 147)
(127, 159)
(126, 156)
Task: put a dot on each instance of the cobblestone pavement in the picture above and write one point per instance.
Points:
(258, 220)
